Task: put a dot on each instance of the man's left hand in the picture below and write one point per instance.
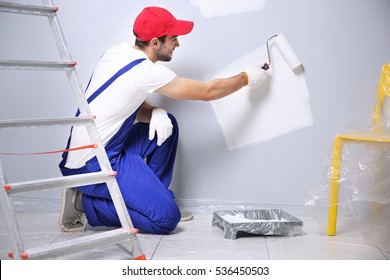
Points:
(161, 124)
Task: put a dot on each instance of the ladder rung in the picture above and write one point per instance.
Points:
(60, 182)
(84, 120)
(77, 244)
(35, 10)
(37, 65)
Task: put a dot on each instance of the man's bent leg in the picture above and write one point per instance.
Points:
(151, 206)
(160, 159)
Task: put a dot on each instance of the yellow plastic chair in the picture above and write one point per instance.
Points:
(341, 139)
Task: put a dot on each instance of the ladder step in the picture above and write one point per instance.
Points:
(84, 120)
(34, 10)
(60, 182)
(78, 244)
(37, 65)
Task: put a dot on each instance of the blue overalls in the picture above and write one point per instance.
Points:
(144, 175)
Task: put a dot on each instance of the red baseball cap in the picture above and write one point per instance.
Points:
(154, 22)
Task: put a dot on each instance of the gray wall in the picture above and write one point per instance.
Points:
(342, 45)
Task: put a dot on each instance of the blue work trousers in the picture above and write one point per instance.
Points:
(144, 175)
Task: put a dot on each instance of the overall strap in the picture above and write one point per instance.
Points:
(96, 94)
(111, 80)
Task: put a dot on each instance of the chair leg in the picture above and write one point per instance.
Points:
(334, 185)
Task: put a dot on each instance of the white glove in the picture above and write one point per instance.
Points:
(160, 123)
(256, 75)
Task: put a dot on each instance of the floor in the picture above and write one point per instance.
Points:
(196, 239)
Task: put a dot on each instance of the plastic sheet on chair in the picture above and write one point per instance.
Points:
(363, 178)
(363, 195)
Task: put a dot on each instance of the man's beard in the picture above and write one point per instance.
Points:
(162, 56)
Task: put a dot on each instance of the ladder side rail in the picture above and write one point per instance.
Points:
(73, 78)
(57, 33)
(135, 247)
(123, 215)
(92, 131)
(76, 87)
(65, 55)
(112, 186)
(16, 245)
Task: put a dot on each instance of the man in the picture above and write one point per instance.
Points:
(140, 139)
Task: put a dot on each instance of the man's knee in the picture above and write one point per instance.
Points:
(174, 123)
(168, 223)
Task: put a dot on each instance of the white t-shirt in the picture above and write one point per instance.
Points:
(120, 100)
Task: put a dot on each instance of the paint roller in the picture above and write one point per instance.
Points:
(285, 50)
(287, 53)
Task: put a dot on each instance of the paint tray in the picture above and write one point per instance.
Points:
(261, 222)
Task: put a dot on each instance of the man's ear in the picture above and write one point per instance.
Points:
(155, 42)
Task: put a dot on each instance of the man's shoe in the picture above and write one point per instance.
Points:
(72, 217)
(186, 216)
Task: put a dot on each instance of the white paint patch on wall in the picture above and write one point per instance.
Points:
(215, 8)
(277, 106)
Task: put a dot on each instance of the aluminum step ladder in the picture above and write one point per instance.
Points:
(125, 234)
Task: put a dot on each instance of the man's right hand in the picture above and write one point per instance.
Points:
(256, 75)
